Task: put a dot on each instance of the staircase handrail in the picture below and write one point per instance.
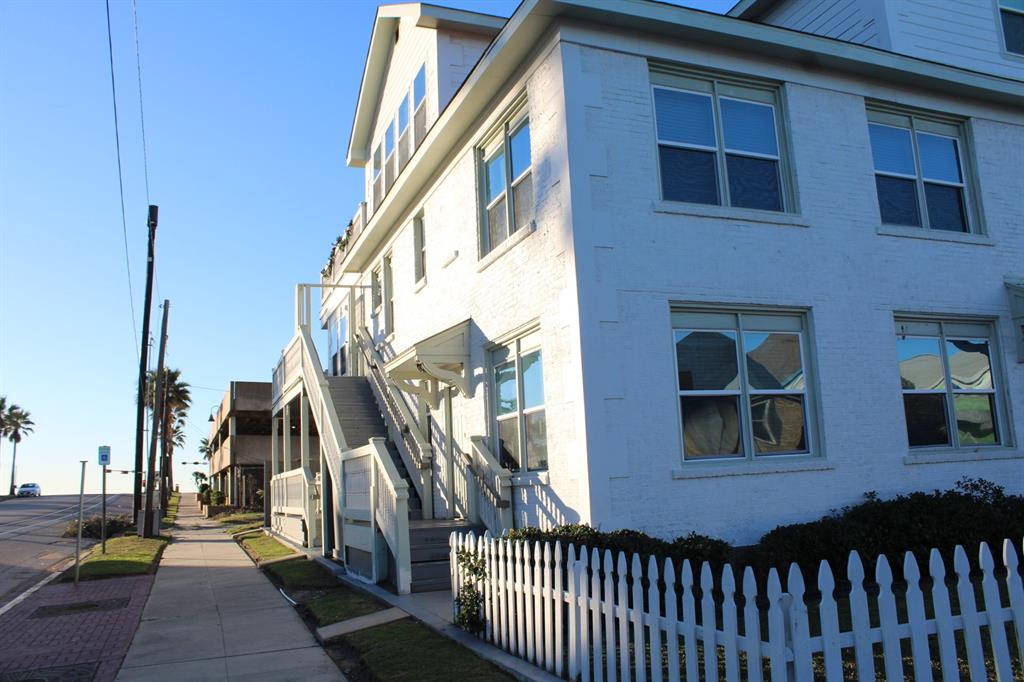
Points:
(495, 480)
(391, 510)
(416, 442)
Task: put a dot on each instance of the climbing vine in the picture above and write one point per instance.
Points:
(469, 601)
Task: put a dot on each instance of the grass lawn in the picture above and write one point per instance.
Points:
(407, 650)
(301, 574)
(242, 527)
(263, 547)
(171, 514)
(341, 603)
(243, 517)
(129, 555)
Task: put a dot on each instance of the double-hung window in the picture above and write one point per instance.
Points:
(389, 157)
(1011, 15)
(719, 142)
(375, 292)
(742, 381)
(520, 431)
(404, 143)
(947, 378)
(389, 296)
(507, 181)
(419, 239)
(919, 171)
(419, 109)
(378, 181)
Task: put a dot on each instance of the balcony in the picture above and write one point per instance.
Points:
(341, 245)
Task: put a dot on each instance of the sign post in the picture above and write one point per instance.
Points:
(104, 463)
(78, 541)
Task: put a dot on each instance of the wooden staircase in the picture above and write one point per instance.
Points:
(361, 419)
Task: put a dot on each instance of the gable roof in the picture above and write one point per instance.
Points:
(382, 39)
(751, 9)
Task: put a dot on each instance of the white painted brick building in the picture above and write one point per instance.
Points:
(628, 264)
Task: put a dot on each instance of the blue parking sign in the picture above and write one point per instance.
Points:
(104, 455)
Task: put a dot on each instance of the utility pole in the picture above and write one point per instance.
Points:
(148, 530)
(165, 430)
(140, 414)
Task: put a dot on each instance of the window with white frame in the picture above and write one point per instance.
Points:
(389, 296)
(404, 134)
(919, 171)
(1011, 15)
(378, 181)
(520, 425)
(742, 381)
(419, 238)
(419, 109)
(719, 142)
(506, 181)
(950, 397)
(375, 292)
(390, 170)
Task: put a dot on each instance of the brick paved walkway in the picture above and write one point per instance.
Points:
(77, 641)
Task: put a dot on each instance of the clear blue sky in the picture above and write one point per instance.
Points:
(248, 107)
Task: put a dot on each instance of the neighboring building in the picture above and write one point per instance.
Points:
(644, 265)
(240, 443)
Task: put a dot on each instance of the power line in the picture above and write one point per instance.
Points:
(120, 178)
(142, 117)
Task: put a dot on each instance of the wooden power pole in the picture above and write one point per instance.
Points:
(158, 411)
(140, 414)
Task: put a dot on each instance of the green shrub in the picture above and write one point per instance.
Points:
(973, 512)
(696, 548)
(203, 487)
(92, 526)
(216, 497)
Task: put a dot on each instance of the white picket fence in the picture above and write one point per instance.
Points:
(588, 618)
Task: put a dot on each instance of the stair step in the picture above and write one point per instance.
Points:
(433, 585)
(428, 570)
(419, 554)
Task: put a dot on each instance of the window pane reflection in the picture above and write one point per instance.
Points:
(926, 419)
(508, 443)
(710, 426)
(533, 380)
(778, 422)
(974, 421)
(505, 388)
(970, 366)
(773, 361)
(707, 360)
(920, 364)
(536, 440)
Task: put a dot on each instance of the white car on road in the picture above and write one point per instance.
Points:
(29, 490)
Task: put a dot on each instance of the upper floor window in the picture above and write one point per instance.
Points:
(375, 292)
(947, 376)
(507, 182)
(719, 142)
(390, 171)
(419, 109)
(1011, 13)
(520, 423)
(742, 384)
(389, 296)
(378, 181)
(919, 171)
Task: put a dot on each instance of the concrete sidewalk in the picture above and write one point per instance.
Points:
(212, 615)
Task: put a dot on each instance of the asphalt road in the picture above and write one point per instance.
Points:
(30, 536)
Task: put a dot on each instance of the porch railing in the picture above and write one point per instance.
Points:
(416, 445)
(488, 488)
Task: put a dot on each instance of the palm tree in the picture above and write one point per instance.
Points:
(177, 400)
(205, 448)
(16, 423)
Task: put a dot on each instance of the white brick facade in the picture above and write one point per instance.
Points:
(608, 259)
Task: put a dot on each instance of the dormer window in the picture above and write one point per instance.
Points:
(1011, 14)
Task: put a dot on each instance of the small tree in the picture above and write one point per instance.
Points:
(16, 424)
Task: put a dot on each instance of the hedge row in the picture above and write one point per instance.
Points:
(92, 526)
(972, 512)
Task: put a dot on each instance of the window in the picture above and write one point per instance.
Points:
(378, 187)
(947, 379)
(1011, 13)
(718, 142)
(404, 151)
(375, 293)
(520, 425)
(918, 171)
(389, 297)
(419, 110)
(419, 238)
(507, 182)
(742, 380)
(389, 156)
